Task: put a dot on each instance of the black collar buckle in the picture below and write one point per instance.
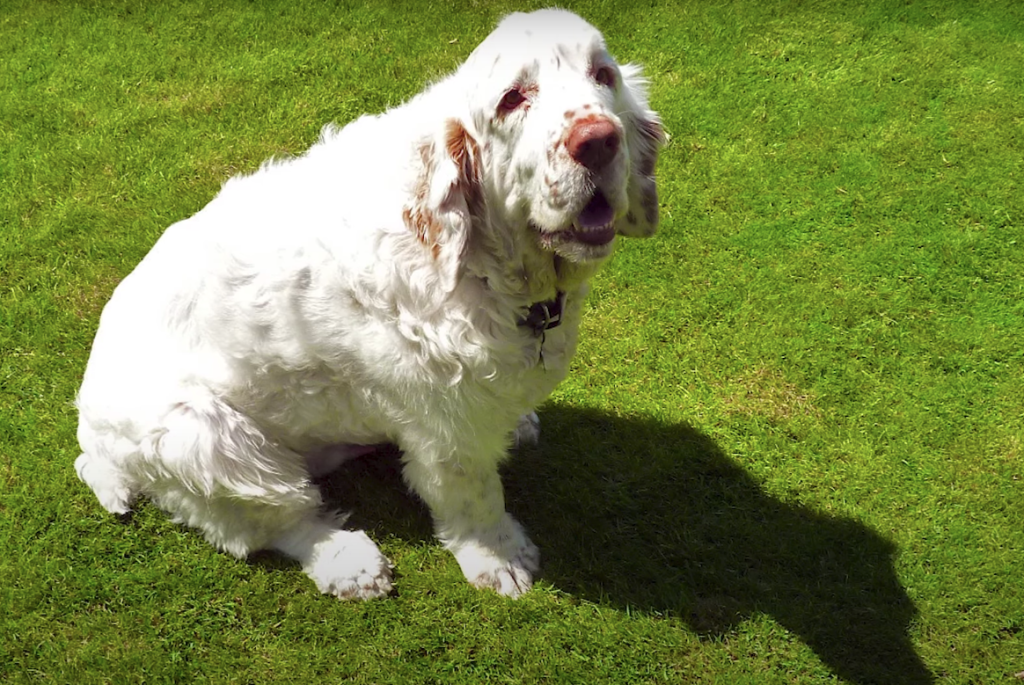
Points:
(543, 316)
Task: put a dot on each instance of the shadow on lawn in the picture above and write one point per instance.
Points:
(654, 517)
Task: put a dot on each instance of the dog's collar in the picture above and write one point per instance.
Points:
(543, 316)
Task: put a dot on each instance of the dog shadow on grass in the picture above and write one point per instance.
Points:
(653, 517)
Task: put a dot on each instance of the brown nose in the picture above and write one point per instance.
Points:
(593, 142)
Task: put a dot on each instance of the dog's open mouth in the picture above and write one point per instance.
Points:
(595, 225)
(588, 236)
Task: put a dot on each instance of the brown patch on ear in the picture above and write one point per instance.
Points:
(427, 215)
(418, 217)
(465, 152)
(457, 141)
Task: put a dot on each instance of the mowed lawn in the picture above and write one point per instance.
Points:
(792, 446)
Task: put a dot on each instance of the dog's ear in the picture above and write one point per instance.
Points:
(644, 137)
(446, 198)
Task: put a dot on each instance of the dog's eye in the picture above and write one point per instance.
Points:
(512, 100)
(605, 76)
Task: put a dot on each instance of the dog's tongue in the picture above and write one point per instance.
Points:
(594, 222)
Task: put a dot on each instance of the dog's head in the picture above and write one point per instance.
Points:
(550, 136)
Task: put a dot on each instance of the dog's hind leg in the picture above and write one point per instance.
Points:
(112, 487)
(218, 472)
(212, 467)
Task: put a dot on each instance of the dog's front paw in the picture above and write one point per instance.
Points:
(527, 433)
(507, 567)
(509, 577)
(349, 565)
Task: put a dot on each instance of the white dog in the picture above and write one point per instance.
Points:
(415, 278)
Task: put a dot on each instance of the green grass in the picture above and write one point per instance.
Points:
(791, 447)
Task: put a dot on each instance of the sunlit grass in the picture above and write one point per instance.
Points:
(790, 450)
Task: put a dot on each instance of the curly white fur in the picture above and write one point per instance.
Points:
(374, 290)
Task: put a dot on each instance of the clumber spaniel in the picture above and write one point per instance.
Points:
(415, 278)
